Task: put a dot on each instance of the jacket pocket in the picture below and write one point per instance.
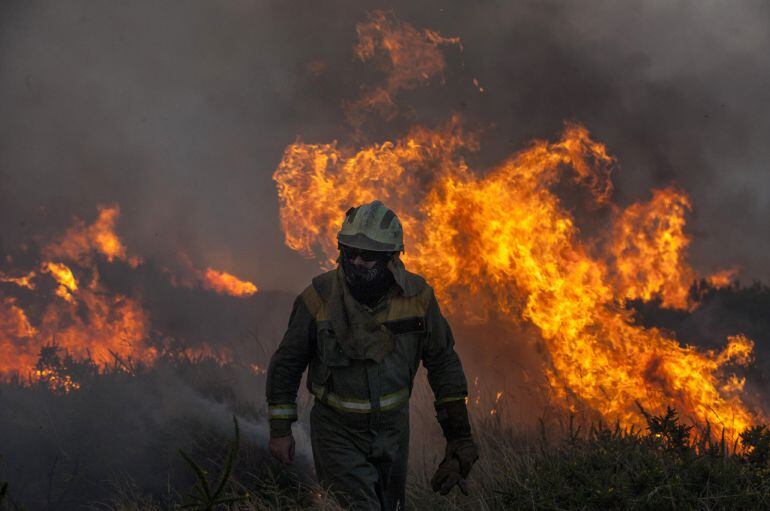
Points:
(318, 373)
(329, 348)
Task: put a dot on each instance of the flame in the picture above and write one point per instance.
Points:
(316, 181)
(63, 275)
(23, 281)
(493, 410)
(212, 279)
(225, 283)
(54, 380)
(502, 242)
(81, 242)
(412, 58)
(723, 278)
(90, 322)
(739, 350)
(15, 332)
(650, 249)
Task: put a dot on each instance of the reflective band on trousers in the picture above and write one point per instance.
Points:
(387, 401)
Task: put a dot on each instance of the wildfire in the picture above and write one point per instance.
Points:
(723, 278)
(225, 283)
(411, 58)
(650, 250)
(55, 381)
(26, 281)
(63, 275)
(503, 241)
(90, 322)
(81, 242)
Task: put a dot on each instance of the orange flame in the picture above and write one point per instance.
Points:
(60, 383)
(723, 278)
(316, 181)
(91, 322)
(225, 283)
(63, 275)
(413, 57)
(15, 332)
(502, 241)
(108, 328)
(80, 242)
(23, 281)
(650, 249)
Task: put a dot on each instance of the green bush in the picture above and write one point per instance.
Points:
(665, 467)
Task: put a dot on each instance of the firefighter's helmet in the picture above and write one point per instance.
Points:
(372, 227)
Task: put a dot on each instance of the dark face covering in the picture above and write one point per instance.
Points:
(367, 285)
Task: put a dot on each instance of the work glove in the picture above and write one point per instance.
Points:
(461, 451)
(460, 456)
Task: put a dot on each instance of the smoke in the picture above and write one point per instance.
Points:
(180, 111)
(63, 451)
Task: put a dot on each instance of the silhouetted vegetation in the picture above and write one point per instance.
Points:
(203, 496)
(661, 468)
(668, 466)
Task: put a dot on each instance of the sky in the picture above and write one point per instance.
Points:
(180, 110)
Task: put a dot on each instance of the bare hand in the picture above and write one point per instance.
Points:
(282, 449)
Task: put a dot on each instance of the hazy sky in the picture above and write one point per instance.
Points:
(179, 110)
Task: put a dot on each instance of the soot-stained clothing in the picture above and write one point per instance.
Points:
(362, 362)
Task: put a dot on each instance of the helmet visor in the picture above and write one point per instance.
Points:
(350, 253)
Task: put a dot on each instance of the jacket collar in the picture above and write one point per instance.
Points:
(410, 286)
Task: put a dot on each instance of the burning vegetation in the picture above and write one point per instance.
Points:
(225, 283)
(501, 241)
(535, 239)
(61, 308)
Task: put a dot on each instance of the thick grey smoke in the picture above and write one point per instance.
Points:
(180, 110)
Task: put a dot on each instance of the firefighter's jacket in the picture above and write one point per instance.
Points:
(361, 360)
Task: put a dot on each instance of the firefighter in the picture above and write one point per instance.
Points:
(362, 329)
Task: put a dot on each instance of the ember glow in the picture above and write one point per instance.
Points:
(502, 241)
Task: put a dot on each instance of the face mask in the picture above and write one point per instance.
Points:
(367, 284)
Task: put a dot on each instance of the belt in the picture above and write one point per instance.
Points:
(387, 401)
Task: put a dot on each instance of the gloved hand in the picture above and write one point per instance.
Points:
(461, 454)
